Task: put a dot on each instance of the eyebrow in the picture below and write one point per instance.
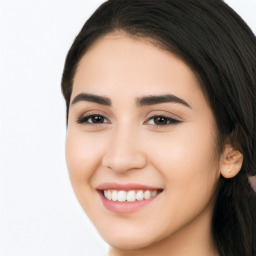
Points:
(143, 101)
(157, 99)
(92, 98)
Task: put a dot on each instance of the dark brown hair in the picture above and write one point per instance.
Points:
(221, 49)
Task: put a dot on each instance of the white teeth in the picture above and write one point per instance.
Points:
(121, 196)
(107, 194)
(114, 195)
(139, 195)
(129, 196)
(147, 194)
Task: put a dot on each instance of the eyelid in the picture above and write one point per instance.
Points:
(163, 113)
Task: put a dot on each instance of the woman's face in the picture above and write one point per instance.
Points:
(141, 131)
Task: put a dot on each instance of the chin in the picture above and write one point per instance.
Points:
(126, 242)
(131, 239)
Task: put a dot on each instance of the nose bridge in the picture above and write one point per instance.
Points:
(124, 150)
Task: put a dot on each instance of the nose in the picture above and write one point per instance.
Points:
(124, 153)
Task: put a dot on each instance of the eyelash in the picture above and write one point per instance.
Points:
(85, 119)
(167, 120)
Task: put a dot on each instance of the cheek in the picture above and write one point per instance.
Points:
(189, 165)
(187, 158)
(82, 156)
(83, 159)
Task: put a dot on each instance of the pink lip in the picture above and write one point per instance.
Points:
(124, 207)
(125, 187)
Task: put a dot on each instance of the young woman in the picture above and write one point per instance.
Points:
(161, 121)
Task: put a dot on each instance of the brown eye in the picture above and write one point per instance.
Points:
(97, 119)
(93, 119)
(162, 120)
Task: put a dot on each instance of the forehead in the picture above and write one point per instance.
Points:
(121, 50)
(133, 66)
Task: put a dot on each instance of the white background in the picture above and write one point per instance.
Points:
(39, 214)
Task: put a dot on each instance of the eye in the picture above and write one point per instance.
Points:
(162, 120)
(93, 119)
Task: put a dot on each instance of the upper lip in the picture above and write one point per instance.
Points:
(127, 186)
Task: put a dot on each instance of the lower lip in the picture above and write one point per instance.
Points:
(125, 207)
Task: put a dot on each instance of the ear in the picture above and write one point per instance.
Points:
(230, 162)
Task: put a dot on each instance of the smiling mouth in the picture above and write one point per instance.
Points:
(127, 198)
(130, 195)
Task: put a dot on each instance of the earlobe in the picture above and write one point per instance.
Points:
(231, 162)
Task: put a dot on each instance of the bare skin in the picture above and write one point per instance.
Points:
(169, 145)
